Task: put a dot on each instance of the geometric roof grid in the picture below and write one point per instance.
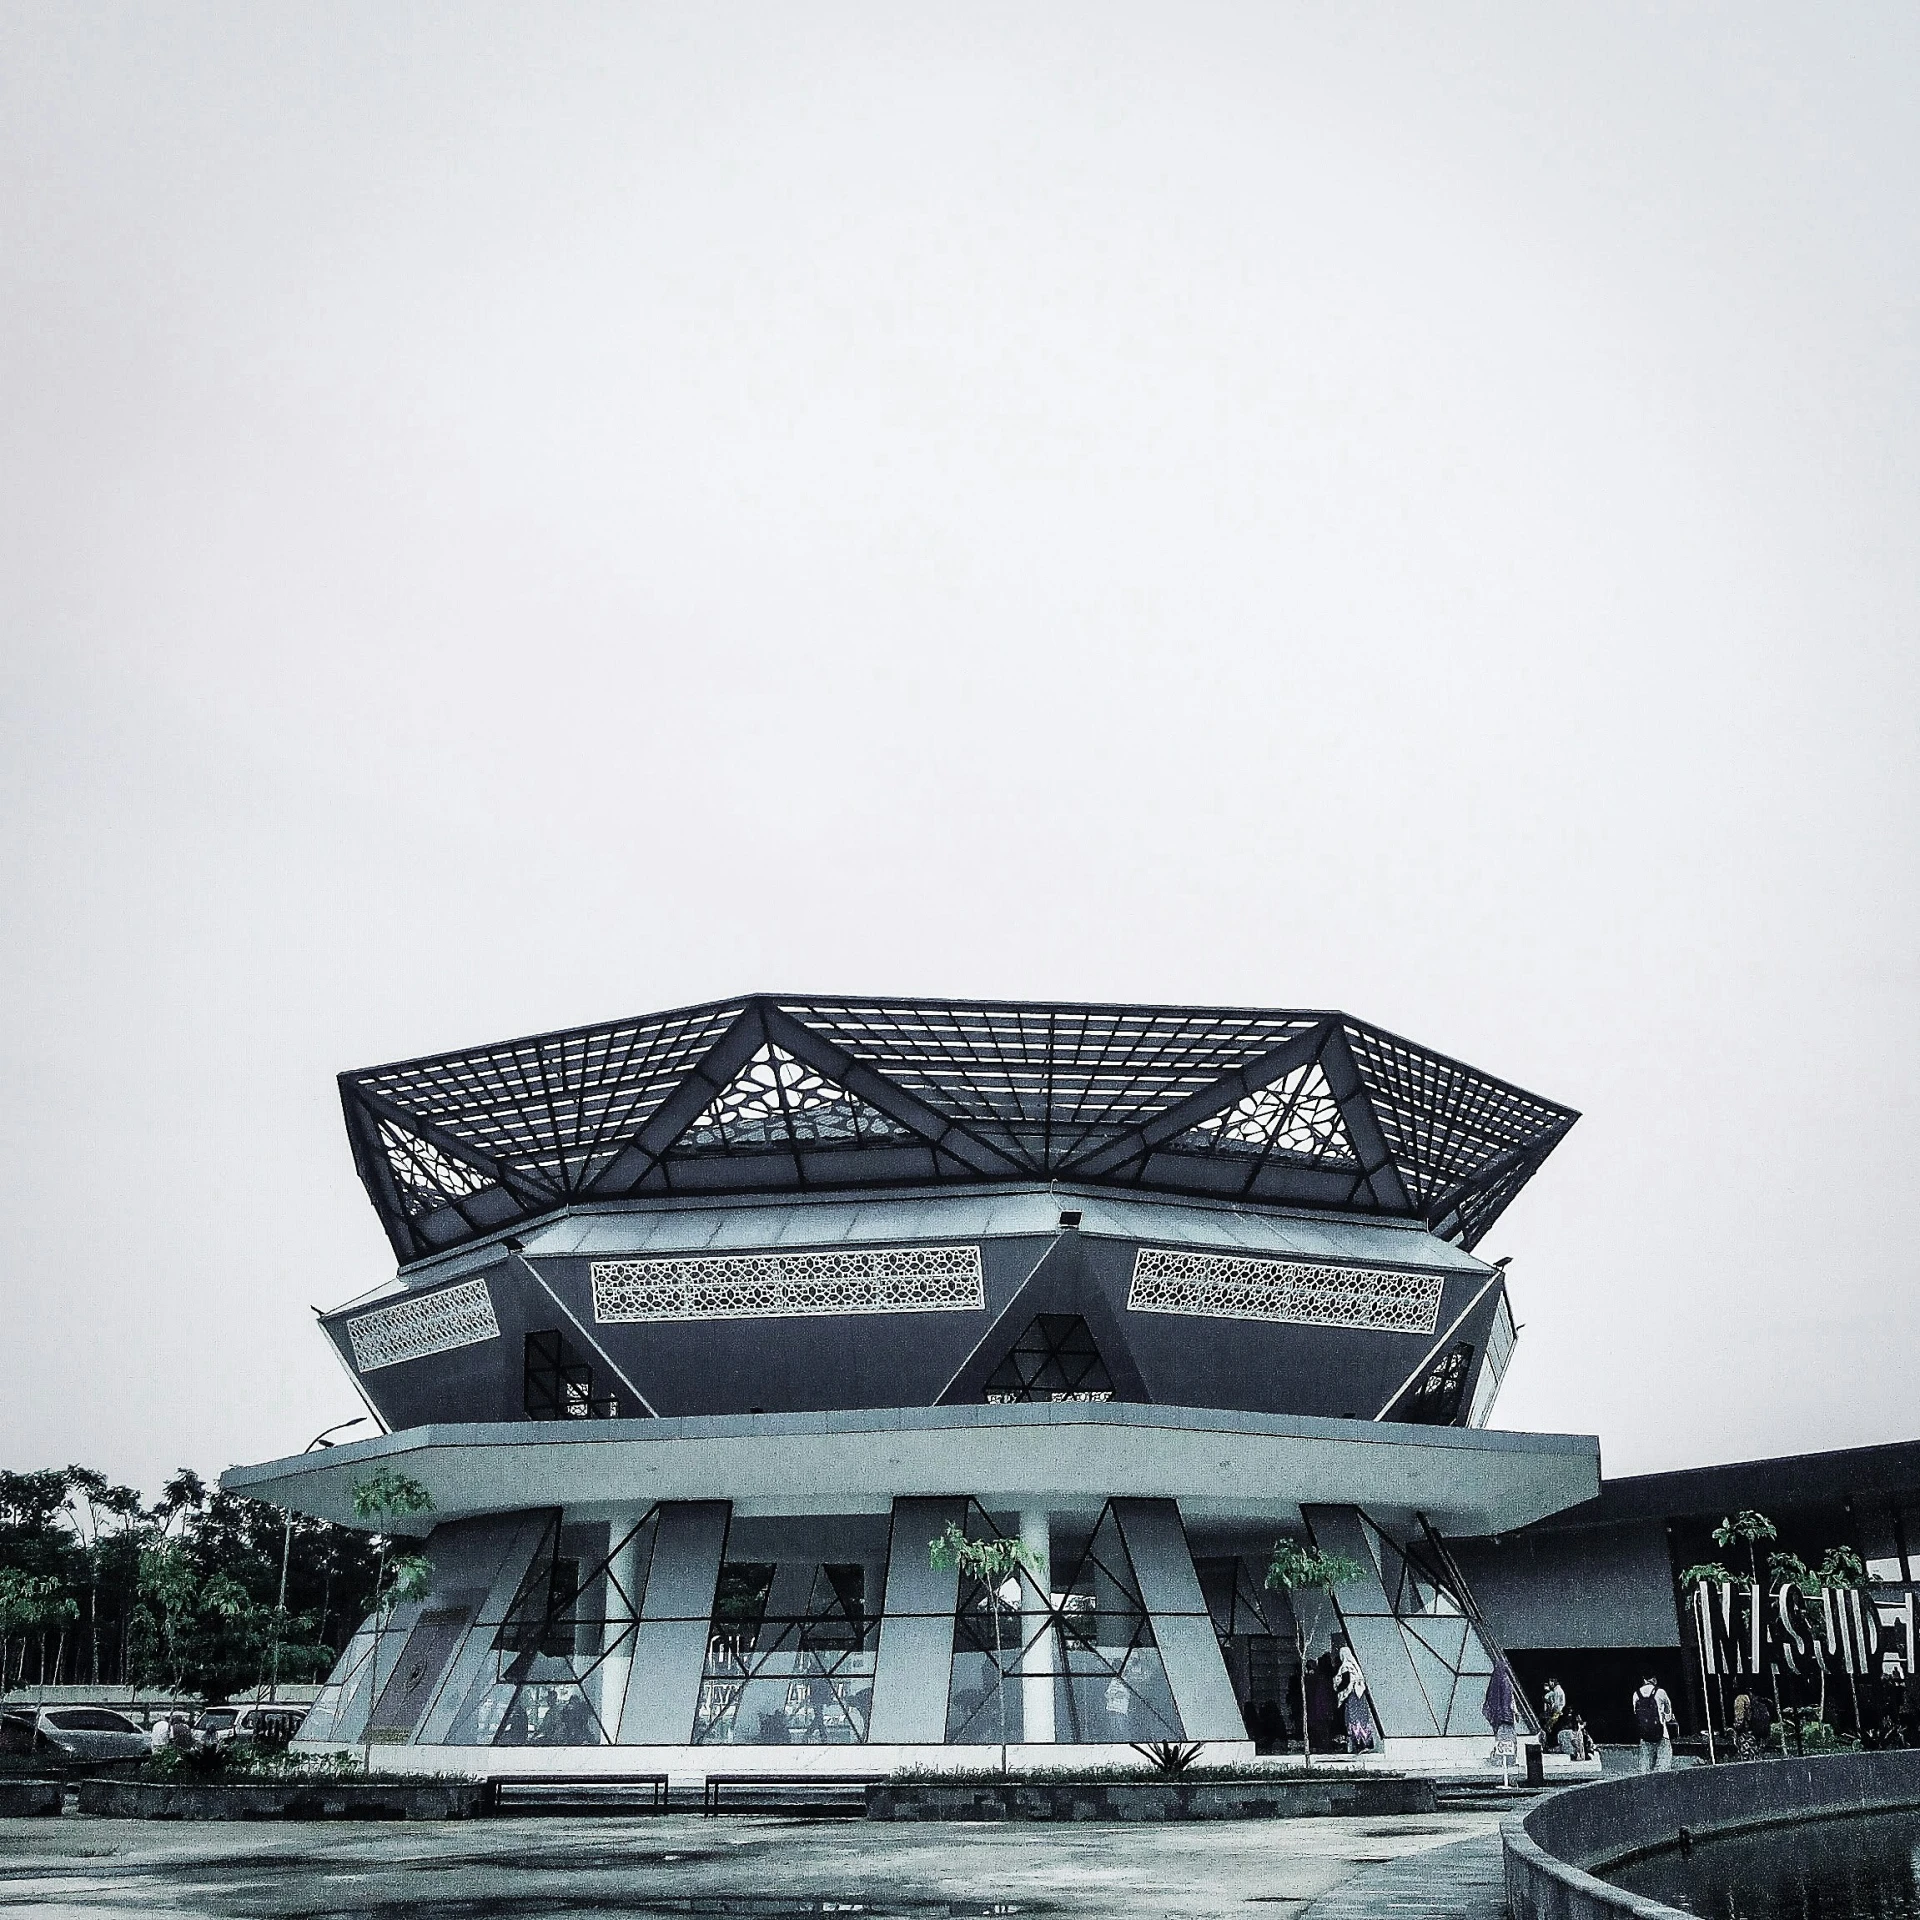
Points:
(770, 1093)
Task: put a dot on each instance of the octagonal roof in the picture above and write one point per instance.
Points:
(772, 1092)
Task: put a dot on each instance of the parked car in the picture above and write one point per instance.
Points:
(17, 1733)
(89, 1733)
(263, 1722)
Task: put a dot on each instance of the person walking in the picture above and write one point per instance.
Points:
(1654, 1722)
(1553, 1709)
(1497, 1709)
(1745, 1746)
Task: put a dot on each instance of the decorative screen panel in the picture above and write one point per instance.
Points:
(426, 1323)
(753, 1286)
(1297, 1293)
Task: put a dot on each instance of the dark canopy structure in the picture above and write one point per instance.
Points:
(773, 1093)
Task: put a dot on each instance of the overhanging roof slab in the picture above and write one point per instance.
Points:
(1218, 1466)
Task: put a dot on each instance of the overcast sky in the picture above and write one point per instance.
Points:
(515, 516)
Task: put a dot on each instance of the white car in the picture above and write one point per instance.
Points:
(91, 1733)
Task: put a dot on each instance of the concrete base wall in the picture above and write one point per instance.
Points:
(1300, 1796)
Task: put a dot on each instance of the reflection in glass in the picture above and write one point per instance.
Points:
(556, 1674)
(1090, 1634)
(790, 1655)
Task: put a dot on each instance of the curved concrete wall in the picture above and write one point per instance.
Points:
(1554, 1851)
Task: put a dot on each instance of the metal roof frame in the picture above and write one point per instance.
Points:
(880, 1093)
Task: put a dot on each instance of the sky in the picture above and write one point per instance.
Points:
(514, 516)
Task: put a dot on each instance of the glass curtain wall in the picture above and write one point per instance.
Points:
(1070, 1661)
(796, 1624)
(557, 1670)
(1256, 1631)
(1451, 1651)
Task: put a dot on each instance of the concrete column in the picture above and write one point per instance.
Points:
(1036, 1677)
(670, 1644)
(915, 1660)
(623, 1578)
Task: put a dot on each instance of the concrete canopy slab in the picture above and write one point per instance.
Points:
(1058, 1457)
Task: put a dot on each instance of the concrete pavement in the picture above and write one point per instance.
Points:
(526, 1869)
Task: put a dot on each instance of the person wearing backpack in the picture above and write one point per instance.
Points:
(1654, 1722)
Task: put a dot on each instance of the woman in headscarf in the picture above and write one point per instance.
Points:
(1350, 1689)
(1498, 1712)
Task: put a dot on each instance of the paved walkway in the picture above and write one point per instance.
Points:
(1460, 1882)
(681, 1865)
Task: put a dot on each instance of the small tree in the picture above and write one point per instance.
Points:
(1745, 1528)
(1308, 1578)
(993, 1563)
(1842, 1571)
(1708, 1573)
(379, 1501)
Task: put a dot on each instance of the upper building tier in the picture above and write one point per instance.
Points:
(776, 1093)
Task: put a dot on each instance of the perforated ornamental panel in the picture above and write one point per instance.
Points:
(1298, 1293)
(437, 1322)
(753, 1286)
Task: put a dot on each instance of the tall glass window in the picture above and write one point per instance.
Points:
(1072, 1660)
(556, 1673)
(796, 1624)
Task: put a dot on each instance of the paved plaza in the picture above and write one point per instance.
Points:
(522, 1869)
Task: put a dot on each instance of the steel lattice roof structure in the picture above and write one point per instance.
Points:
(771, 1093)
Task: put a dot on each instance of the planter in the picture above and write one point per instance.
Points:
(1288, 1798)
(284, 1799)
(29, 1799)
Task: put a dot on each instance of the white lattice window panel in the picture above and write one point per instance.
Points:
(774, 1100)
(754, 1286)
(1297, 1293)
(427, 1176)
(1297, 1115)
(424, 1323)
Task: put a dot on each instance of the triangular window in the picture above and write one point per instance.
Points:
(428, 1177)
(1435, 1402)
(1295, 1118)
(558, 1382)
(778, 1101)
(1055, 1359)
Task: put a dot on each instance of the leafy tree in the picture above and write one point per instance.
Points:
(105, 1521)
(380, 1500)
(198, 1621)
(992, 1562)
(31, 1603)
(1745, 1528)
(1308, 1577)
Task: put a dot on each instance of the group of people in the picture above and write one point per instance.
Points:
(1561, 1728)
(1339, 1714)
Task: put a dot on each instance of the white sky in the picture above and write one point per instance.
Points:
(517, 516)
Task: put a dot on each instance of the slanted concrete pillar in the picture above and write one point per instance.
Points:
(625, 1572)
(670, 1643)
(915, 1659)
(1036, 1634)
